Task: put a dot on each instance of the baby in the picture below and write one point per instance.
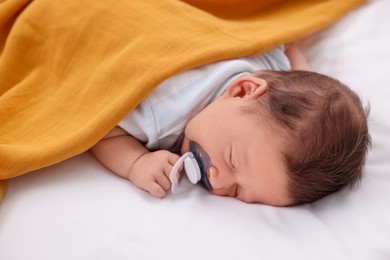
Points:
(273, 136)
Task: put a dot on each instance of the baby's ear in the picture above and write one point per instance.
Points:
(247, 86)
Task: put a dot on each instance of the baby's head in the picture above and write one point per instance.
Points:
(282, 138)
(328, 129)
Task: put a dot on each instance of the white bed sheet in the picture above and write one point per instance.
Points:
(78, 210)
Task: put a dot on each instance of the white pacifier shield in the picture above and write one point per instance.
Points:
(191, 168)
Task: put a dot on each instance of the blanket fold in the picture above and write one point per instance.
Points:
(71, 70)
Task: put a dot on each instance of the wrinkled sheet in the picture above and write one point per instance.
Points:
(79, 210)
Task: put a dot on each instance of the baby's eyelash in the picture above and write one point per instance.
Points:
(231, 158)
(236, 191)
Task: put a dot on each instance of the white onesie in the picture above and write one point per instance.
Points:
(159, 120)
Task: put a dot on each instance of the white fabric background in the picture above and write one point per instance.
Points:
(78, 210)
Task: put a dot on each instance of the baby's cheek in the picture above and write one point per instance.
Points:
(185, 145)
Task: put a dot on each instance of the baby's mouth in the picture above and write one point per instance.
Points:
(196, 163)
(203, 160)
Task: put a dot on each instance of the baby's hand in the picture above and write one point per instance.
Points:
(151, 172)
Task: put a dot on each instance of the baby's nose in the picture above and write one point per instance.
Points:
(212, 172)
(217, 179)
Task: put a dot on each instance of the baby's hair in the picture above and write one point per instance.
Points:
(328, 128)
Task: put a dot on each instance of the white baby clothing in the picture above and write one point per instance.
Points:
(159, 120)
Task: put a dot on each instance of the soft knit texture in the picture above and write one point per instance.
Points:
(71, 70)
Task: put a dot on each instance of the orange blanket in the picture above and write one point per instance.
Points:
(71, 70)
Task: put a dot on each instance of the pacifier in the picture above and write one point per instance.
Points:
(196, 162)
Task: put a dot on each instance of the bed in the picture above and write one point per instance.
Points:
(77, 209)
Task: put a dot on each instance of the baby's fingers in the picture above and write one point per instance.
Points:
(173, 158)
(163, 180)
(156, 190)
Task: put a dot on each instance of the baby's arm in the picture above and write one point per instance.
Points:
(126, 156)
(296, 57)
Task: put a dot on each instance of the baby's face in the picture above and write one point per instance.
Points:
(245, 152)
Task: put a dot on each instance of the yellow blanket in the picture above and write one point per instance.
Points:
(71, 70)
